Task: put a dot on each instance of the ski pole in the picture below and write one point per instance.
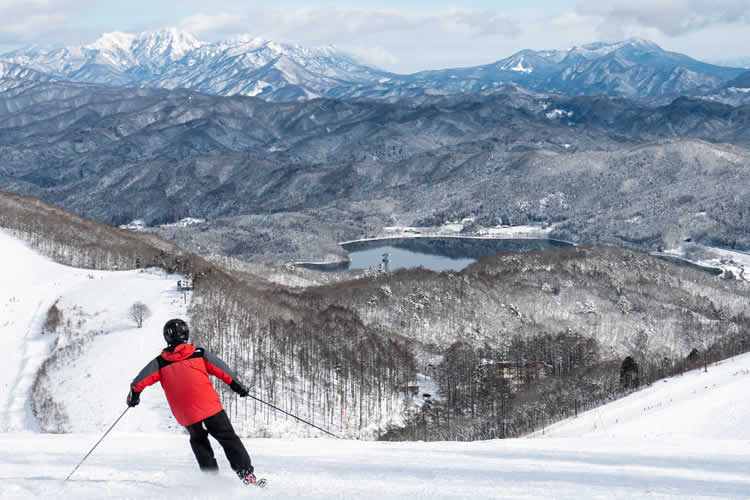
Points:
(97, 443)
(294, 416)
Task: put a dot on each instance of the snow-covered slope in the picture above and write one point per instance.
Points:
(15, 77)
(170, 58)
(157, 466)
(687, 437)
(274, 71)
(696, 405)
(98, 347)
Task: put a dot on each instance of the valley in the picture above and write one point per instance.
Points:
(627, 448)
(287, 182)
(516, 280)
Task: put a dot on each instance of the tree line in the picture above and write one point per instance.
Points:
(525, 384)
(515, 341)
(326, 367)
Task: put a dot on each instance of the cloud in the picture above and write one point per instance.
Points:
(482, 22)
(400, 39)
(313, 23)
(24, 20)
(670, 17)
(32, 21)
(374, 56)
(199, 24)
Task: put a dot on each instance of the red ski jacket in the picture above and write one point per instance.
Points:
(183, 374)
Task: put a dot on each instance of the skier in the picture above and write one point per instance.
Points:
(183, 372)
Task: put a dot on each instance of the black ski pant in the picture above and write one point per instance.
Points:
(221, 429)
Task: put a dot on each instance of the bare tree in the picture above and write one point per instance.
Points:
(139, 312)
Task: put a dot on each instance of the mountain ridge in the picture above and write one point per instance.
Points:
(245, 65)
(348, 168)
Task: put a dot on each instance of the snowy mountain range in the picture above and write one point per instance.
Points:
(735, 92)
(174, 59)
(110, 153)
(13, 76)
(170, 58)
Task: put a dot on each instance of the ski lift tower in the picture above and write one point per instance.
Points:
(185, 285)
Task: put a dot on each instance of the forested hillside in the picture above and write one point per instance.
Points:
(327, 366)
(525, 338)
(287, 181)
(511, 342)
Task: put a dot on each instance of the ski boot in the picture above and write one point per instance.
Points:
(249, 479)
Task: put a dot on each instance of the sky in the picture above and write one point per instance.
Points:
(401, 36)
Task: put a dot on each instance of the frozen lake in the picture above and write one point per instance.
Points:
(437, 253)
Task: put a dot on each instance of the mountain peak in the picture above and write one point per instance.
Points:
(642, 42)
(172, 58)
(252, 41)
(115, 39)
(601, 49)
(167, 41)
(171, 34)
(125, 49)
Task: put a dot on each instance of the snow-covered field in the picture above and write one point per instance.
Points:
(455, 228)
(697, 405)
(161, 466)
(687, 437)
(730, 260)
(94, 306)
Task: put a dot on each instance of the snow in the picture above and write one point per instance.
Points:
(453, 230)
(558, 113)
(33, 288)
(521, 68)
(705, 406)
(258, 88)
(729, 260)
(187, 221)
(114, 356)
(686, 437)
(113, 42)
(429, 390)
(94, 305)
(135, 225)
(600, 49)
(140, 224)
(160, 466)
(517, 231)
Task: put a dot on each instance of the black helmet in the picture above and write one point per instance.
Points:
(176, 332)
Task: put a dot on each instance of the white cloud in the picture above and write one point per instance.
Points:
(398, 39)
(201, 24)
(374, 56)
(38, 21)
(670, 17)
(327, 23)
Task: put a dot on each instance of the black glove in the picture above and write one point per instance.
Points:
(240, 389)
(133, 398)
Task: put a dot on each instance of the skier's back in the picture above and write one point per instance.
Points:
(183, 369)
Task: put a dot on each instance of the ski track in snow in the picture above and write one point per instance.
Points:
(17, 414)
(25, 282)
(92, 386)
(160, 466)
(687, 437)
